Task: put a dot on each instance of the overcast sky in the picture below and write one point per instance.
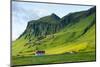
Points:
(22, 12)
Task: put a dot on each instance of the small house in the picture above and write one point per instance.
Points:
(71, 52)
(39, 53)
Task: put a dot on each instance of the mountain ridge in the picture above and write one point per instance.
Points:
(53, 23)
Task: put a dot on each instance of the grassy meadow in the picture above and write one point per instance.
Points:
(52, 59)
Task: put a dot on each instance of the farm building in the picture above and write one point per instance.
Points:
(39, 53)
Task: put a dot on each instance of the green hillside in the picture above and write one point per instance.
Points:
(71, 36)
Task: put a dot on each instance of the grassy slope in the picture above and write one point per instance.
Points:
(66, 41)
(63, 41)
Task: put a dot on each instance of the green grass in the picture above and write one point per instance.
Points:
(60, 58)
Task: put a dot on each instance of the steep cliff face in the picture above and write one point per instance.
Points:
(43, 26)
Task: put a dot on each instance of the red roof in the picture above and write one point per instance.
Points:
(40, 52)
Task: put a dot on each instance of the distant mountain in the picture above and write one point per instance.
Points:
(73, 32)
(72, 18)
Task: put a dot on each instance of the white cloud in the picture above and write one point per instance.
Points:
(20, 18)
(41, 12)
